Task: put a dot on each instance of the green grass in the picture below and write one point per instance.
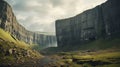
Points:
(102, 58)
(7, 37)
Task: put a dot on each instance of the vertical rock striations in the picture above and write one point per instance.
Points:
(99, 22)
(9, 23)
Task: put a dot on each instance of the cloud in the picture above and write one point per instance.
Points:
(40, 15)
(56, 2)
(41, 27)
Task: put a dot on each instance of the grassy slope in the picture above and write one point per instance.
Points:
(94, 45)
(8, 42)
(7, 37)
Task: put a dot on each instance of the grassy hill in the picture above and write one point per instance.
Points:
(12, 50)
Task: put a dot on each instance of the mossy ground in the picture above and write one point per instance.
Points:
(102, 58)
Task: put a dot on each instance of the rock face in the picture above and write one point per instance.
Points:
(9, 23)
(102, 21)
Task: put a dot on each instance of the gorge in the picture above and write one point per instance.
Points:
(89, 39)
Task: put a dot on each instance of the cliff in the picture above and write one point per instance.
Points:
(9, 23)
(100, 22)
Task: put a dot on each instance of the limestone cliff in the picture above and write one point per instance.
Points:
(102, 21)
(9, 23)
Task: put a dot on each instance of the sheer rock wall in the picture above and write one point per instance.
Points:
(103, 21)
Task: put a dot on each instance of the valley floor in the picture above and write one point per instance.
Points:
(101, 58)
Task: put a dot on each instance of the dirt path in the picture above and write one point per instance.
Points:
(47, 61)
(43, 62)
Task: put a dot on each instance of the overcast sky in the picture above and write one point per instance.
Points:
(40, 15)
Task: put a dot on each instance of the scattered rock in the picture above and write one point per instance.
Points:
(10, 51)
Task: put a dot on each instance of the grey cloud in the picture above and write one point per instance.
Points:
(42, 27)
(56, 2)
